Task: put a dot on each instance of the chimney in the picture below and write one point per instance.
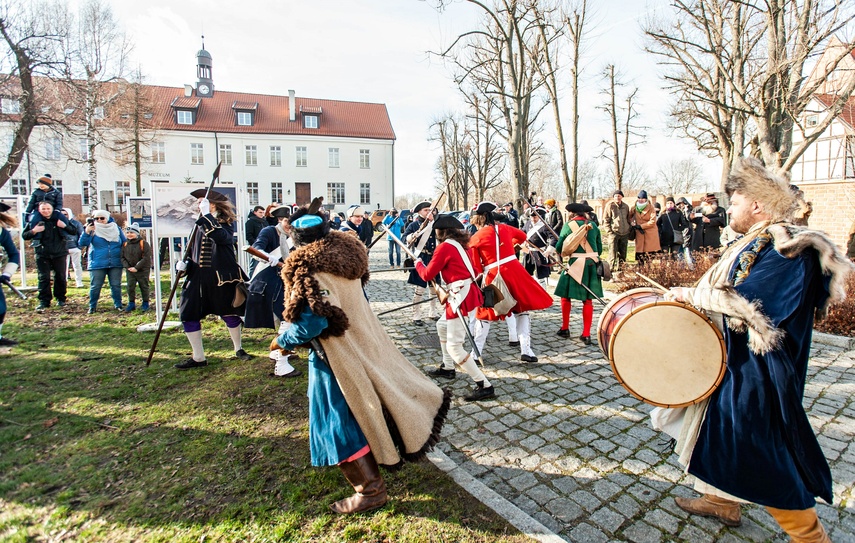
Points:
(292, 106)
(188, 91)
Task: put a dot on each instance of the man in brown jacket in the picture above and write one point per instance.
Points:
(616, 223)
(136, 259)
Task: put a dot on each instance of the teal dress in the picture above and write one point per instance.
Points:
(567, 287)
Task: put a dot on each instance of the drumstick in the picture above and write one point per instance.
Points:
(651, 281)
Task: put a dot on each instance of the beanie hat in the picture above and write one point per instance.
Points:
(46, 179)
(133, 227)
(549, 203)
(642, 194)
(101, 213)
(615, 193)
(669, 199)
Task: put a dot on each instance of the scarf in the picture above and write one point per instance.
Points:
(640, 207)
(284, 249)
(108, 231)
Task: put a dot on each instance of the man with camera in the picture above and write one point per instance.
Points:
(45, 233)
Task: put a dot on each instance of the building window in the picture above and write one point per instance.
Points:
(98, 113)
(364, 194)
(57, 184)
(276, 192)
(333, 157)
(158, 152)
(244, 118)
(197, 154)
(19, 186)
(183, 116)
(10, 106)
(251, 155)
(85, 190)
(252, 192)
(364, 158)
(123, 190)
(226, 154)
(335, 193)
(52, 148)
(310, 121)
(302, 157)
(84, 149)
(812, 120)
(275, 156)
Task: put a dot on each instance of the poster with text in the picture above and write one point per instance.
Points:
(139, 211)
(175, 210)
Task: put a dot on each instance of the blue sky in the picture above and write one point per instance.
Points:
(376, 51)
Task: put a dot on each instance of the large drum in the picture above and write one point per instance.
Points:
(667, 354)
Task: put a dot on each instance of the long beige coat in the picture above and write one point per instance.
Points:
(647, 242)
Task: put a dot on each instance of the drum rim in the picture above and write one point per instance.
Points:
(607, 311)
(718, 333)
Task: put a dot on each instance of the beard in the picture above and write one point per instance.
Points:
(707, 208)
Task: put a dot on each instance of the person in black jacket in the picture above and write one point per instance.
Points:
(671, 225)
(709, 219)
(254, 223)
(45, 192)
(45, 233)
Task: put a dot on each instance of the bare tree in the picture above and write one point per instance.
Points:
(133, 129)
(744, 62)
(488, 159)
(680, 176)
(624, 132)
(31, 49)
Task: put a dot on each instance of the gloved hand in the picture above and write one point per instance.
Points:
(550, 251)
(5, 278)
(204, 206)
(273, 260)
(181, 266)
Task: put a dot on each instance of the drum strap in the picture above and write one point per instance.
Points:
(577, 269)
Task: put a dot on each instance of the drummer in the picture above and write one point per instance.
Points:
(579, 281)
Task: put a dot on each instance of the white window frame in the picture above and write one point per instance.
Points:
(10, 106)
(84, 189)
(98, 113)
(252, 193)
(183, 116)
(83, 143)
(276, 193)
(244, 118)
(302, 156)
(335, 193)
(365, 159)
(197, 154)
(53, 148)
(158, 152)
(334, 155)
(364, 194)
(18, 186)
(251, 155)
(275, 155)
(122, 188)
(226, 154)
(310, 121)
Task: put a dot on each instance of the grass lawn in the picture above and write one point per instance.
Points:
(98, 447)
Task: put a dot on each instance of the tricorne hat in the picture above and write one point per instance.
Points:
(421, 205)
(485, 208)
(447, 220)
(281, 211)
(578, 208)
(213, 196)
(4, 207)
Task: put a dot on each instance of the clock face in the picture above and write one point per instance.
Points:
(204, 89)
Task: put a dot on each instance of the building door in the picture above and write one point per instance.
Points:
(303, 193)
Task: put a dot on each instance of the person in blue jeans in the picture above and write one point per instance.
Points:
(105, 257)
(394, 224)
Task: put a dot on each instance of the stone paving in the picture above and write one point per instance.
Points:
(566, 444)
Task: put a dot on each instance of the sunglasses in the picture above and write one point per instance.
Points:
(100, 219)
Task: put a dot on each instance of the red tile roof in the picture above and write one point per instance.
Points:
(185, 102)
(847, 115)
(216, 114)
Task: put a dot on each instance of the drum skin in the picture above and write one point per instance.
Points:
(639, 332)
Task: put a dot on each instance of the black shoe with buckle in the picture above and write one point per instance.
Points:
(6, 342)
(418, 322)
(243, 355)
(442, 372)
(481, 392)
(513, 344)
(563, 333)
(585, 339)
(190, 363)
(528, 358)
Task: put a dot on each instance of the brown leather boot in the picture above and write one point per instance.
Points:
(364, 475)
(712, 506)
(803, 526)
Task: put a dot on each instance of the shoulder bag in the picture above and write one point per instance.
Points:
(508, 301)
(678, 234)
(492, 295)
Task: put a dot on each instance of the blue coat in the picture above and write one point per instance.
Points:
(756, 442)
(395, 226)
(265, 290)
(103, 254)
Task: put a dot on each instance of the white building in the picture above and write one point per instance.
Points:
(282, 149)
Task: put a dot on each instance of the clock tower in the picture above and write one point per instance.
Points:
(205, 82)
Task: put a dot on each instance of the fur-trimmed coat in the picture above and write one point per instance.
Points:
(399, 410)
(756, 442)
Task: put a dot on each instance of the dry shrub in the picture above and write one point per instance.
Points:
(840, 318)
(668, 273)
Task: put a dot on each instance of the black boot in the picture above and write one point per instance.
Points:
(363, 474)
(481, 392)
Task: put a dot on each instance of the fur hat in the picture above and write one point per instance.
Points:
(313, 229)
(754, 181)
(46, 179)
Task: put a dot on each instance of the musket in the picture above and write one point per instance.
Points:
(260, 255)
(417, 234)
(180, 274)
(384, 270)
(380, 235)
(566, 270)
(424, 301)
(442, 296)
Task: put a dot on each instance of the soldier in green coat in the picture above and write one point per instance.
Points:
(581, 270)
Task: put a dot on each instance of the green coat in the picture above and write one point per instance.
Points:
(567, 287)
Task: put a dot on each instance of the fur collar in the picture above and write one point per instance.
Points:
(338, 254)
(791, 240)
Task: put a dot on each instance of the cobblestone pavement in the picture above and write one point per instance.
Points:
(565, 443)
